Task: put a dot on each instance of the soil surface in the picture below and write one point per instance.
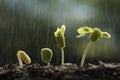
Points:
(68, 71)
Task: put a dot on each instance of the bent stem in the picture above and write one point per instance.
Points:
(62, 52)
(48, 64)
(85, 53)
(20, 61)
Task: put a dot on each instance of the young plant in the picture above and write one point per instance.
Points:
(46, 55)
(60, 39)
(22, 56)
(94, 35)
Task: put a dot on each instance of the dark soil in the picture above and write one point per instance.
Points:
(68, 71)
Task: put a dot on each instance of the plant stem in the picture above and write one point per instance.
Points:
(19, 60)
(62, 52)
(85, 53)
(48, 64)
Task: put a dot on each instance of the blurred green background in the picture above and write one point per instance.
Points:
(29, 25)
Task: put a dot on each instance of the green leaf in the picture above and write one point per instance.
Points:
(56, 33)
(106, 35)
(63, 29)
(80, 36)
(83, 31)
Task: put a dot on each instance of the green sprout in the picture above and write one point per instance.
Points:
(22, 56)
(94, 35)
(60, 39)
(46, 55)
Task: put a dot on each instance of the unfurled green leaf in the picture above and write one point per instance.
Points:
(83, 31)
(106, 35)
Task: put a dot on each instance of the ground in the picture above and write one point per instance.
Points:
(68, 71)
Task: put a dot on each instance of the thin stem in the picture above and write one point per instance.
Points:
(62, 52)
(19, 59)
(48, 64)
(20, 62)
(85, 53)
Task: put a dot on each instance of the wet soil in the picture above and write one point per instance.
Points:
(68, 71)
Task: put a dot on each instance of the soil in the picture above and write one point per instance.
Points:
(68, 71)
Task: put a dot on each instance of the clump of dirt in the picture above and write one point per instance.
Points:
(68, 71)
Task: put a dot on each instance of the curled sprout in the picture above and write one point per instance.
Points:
(95, 34)
(46, 55)
(22, 56)
(60, 39)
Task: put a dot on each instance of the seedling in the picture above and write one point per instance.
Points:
(94, 35)
(22, 56)
(46, 55)
(60, 39)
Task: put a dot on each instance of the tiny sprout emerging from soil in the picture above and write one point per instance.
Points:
(60, 39)
(46, 55)
(22, 56)
(95, 35)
